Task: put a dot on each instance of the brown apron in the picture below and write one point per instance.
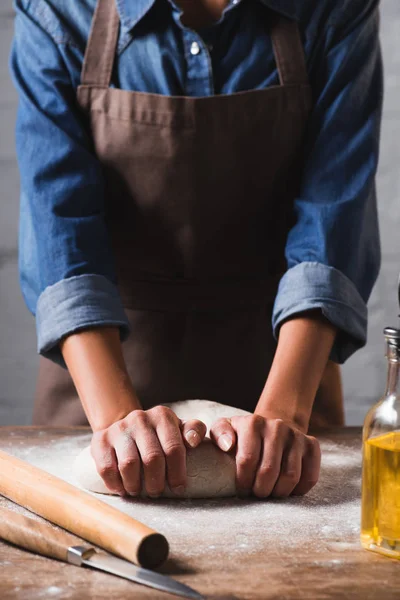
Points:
(199, 204)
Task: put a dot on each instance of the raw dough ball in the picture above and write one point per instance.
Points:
(210, 472)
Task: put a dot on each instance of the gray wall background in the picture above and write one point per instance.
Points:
(364, 374)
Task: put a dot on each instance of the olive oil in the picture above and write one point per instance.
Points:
(380, 526)
(380, 518)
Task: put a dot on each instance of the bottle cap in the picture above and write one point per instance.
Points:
(392, 337)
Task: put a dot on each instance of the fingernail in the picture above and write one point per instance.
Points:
(179, 490)
(192, 438)
(225, 442)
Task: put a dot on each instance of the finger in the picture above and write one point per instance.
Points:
(249, 432)
(106, 464)
(310, 468)
(193, 432)
(170, 437)
(223, 434)
(290, 473)
(270, 465)
(128, 463)
(151, 454)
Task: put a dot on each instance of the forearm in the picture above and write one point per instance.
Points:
(304, 345)
(96, 364)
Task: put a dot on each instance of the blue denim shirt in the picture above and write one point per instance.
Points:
(66, 262)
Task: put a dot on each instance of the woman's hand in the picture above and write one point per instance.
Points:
(273, 457)
(149, 442)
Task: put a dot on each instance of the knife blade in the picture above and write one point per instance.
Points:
(43, 538)
(89, 557)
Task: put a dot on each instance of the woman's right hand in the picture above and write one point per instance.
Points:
(151, 443)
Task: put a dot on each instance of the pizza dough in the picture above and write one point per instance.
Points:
(210, 471)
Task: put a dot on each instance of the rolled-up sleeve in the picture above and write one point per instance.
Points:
(65, 258)
(333, 251)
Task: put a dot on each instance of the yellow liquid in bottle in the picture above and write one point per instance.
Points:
(380, 522)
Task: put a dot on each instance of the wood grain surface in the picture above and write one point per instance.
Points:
(314, 565)
(79, 512)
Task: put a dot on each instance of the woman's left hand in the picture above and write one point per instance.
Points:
(273, 457)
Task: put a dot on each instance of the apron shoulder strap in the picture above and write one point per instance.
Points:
(103, 39)
(102, 45)
(289, 51)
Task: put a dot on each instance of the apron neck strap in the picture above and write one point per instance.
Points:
(102, 45)
(103, 39)
(289, 51)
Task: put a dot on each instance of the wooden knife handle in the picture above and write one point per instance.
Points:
(33, 535)
(81, 513)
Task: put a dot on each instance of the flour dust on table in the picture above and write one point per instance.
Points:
(210, 471)
(326, 520)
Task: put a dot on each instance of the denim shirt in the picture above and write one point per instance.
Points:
(65, 257)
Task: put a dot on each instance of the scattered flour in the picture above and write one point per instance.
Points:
(53, 590)
(328, 517)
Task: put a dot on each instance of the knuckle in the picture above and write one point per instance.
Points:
(258, 419)
(267, 470)
(106, 470)
(119, 427)
(174, 450)
(312, 441)
(152, 459)
(291, 475)
(220, 424)
(162, 412)
(100, 442)
(128, 463)
(99, 435)
(256, 422)
(244, 460)
(280, 424)
(139, 417)
(277, 427)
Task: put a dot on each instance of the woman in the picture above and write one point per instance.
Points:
(197, 181)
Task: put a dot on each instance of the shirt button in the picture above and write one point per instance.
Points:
(195, 49)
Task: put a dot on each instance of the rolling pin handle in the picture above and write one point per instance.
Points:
(77, 554)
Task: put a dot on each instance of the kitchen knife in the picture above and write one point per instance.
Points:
(45, 539)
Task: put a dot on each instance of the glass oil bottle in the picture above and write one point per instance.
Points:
(380, 518)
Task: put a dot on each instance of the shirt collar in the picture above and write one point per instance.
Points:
(132, 11)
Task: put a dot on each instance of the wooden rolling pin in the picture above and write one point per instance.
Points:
(79, 512)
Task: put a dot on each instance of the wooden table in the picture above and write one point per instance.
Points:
(226, 549)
